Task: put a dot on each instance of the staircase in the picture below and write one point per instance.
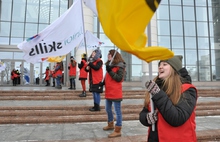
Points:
(73, 112)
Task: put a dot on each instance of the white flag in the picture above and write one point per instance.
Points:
(91, 41)
(92, 5)
(58, 39)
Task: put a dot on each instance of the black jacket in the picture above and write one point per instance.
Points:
(175, 115)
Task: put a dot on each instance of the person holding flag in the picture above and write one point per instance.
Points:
(174, 98)
(72, 73)
(83, 74)
(47, 76)
(95, 70)
(59, 74)
(115, 67)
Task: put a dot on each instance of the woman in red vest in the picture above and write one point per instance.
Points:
(59, 74)
(72, 73)
(83, 74)
(95, 77)
(47, 76)
(174, 99)
(113, 91)
(14, 77)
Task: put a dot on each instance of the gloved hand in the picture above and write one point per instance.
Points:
(152, 87)
(108, 68)
(151, 117)
(90, 64)
(101, 83)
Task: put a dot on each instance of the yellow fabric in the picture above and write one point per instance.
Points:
(124, 22)
(56, 59)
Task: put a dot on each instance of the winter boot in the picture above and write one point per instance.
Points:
(53, 84)
(116, 133)
(83, 94)
(95, 108)
(109, 127)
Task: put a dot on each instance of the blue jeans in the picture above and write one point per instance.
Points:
(58, 80)
(96, 97)
(108, 109)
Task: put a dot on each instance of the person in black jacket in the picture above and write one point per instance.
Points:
(174, 100)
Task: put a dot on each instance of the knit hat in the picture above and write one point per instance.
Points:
(71, 57)
(175, 62)
(97, 55)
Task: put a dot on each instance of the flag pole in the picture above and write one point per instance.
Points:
(150, 71)
(84, 31)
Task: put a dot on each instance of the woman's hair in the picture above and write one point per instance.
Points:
(171, 86)
(117, 57)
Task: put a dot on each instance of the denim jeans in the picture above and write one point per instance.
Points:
(117, 107)
(58, 80)
(96, 97)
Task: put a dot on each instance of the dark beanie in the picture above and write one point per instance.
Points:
(175, 62)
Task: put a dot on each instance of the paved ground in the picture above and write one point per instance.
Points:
(132, 131)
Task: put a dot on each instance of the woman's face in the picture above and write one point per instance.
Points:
(93, 54)
(109, 57)
(164, 70)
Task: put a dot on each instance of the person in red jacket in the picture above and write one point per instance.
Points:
(115, 67)
(95, 70)
(72, 73)
(14, 77)
(174, 101)
(47, 76)
(83, 74)
(59, 74)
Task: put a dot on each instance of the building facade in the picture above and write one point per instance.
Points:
(189, 28)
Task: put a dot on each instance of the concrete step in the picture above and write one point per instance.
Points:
(74, 95)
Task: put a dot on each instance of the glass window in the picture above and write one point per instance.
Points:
(177, 42)
(4, 40)
(200, 2)
(163, 2)
(16, 41)
(136, 72)
(163, 12)
(203, 43)
(215, 44)
(178, 52)
(5, 14)
(192, 70)
(210, 14)
(190, 42)
(204, 73)
(211, 30)
(6, 55)
(176, 28)
(18, 55)
(41, 27)
(188, 13)
(32, 11)
(175, 13)
(106, 40)
(163, 27)
(202, 29)
(191, 57)
(4, 28)
(214, 73)
(214, 54)
(63, 6)
(175, 2)
(44, 11)
(54, 13)
(30, 30)
(18, 11)
(188, 2)
(164, 41)
(189, 29)
(17, 29)
(201, 13)
(204, 57)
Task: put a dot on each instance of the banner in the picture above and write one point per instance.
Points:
(58, 39)
(91, 41)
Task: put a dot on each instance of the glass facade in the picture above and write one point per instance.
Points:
(192, 29)
(188, 27)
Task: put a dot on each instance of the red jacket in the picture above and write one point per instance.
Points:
(47, 74)
(72, 69)
(97, 75)
(113, 89)
(183, 133)
(58, 71)
(82, 72)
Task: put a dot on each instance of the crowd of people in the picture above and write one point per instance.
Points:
(170, 101)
